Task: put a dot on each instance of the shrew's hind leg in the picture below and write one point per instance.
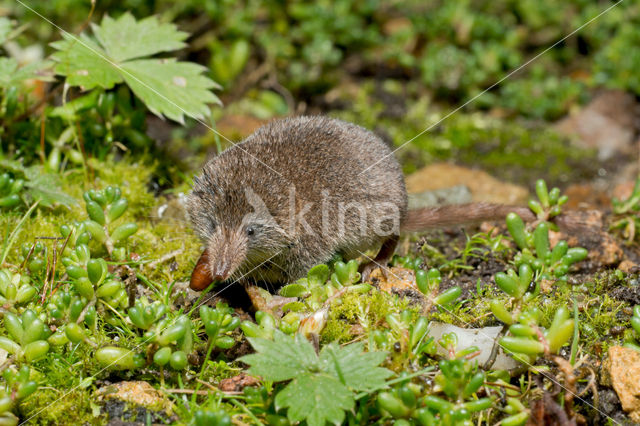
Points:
(381, 259)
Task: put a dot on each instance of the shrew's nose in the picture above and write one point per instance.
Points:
(220, 272)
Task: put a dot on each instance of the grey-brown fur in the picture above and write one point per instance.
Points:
(310, 154)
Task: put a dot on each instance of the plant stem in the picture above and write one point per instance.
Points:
(204, 363)
(14, 234)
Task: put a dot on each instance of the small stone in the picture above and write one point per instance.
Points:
(237, 383)
(483, 338)
(397, 279)
(482, 185)
(138, 393)
(607, 124)
(627, 266)
(622, 369)
(623, 190)
(587, 196)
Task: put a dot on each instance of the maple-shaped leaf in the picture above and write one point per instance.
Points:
(170, 88)
(356, 369)
(282, 358)
(84, 63)
(125, 38)
(322, 387)
(11, 73)
(46, 188)
(120, 53)
(41, 186)
(317, 398)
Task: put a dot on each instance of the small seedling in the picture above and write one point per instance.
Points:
(18, 385)
(266, 325)
(429, 282)
(628, 213)
(549, 203)
(528, 340)
(15, 289)
(27, 336)
(634, 339)
(104, 207)
(219, 323)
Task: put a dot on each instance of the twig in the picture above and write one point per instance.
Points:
(209, 385)
(6, 362)
(494, 350)
(188, 391)
(91, 303)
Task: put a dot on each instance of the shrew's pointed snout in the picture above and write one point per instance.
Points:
(211, 267)
(222, 257)
(220, 272)
(205, 273)
(201, 276)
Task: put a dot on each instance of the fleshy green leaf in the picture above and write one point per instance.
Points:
(356, 369)
(316, 398)
(125, 38)
(281, 359)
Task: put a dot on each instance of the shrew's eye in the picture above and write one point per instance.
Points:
(250, 230)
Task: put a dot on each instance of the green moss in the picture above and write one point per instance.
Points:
(62, 407)
(355, 310)
(153, 240)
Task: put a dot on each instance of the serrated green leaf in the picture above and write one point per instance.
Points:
(166, 86)
(40, 185)
(46, 188)
(11, 74)
(356, 369)
(281, 359)
(125, 38)
(5, 29)
(316, 398)
(84, 63)
(171, 88)
(13, 166)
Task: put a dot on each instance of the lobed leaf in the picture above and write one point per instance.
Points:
(316, 398)
(355, 368)
(84, 63)
(125, 38)
(120, 53)
(284, 358)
